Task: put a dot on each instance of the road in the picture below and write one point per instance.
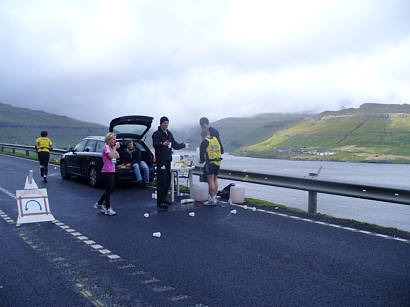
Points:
(215, 258)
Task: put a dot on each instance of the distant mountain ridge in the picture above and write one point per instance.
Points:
(23, 126)
(372, 132)
(237, 132)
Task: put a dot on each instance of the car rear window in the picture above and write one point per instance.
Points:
(130, 129)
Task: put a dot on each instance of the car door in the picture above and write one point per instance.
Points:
(85, 157)
(73, 162)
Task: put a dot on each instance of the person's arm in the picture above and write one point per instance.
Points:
(113, 153)
(36, 145)
(51, 145)
(137, 155)
(175, 144)
(202, 151)
(156, 140)
(220, 143)
(215, 133)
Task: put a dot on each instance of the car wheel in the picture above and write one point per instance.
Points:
(63, 170)
(93, 177)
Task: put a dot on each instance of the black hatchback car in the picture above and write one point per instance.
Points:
(85, 159)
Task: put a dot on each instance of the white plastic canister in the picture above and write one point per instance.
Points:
(201, 191)
(237, 194)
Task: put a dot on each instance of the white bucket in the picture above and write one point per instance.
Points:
(200, 191)
(237, 194)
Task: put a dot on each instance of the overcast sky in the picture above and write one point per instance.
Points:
(96, 60)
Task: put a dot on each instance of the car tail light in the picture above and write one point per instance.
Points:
(154, 160)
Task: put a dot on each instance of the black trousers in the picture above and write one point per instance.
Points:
(163, 180)
(43, 158)
(109, 184)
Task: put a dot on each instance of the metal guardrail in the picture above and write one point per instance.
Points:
(314, 186)
(27, 149)
(311, 184)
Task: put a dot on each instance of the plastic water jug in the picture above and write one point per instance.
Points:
(201, 191)
(237, 194)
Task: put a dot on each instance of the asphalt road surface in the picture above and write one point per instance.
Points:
(215, 258)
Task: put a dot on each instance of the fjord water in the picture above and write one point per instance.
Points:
(379, 174)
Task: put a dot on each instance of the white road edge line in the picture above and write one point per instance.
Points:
(328, 224)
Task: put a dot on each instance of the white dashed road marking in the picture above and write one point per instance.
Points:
(7, 193)
(105, 252)
(326, 224)
(113, 257)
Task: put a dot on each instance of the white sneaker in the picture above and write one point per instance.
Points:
(210, 202)
(110, 212)
(103, 209)
(97, 206)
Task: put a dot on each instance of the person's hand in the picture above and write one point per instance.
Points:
(186, 144)
(117, 145)
(166, 143)
(128, 164)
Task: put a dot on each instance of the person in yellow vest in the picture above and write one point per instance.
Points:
(210, 153)
(43, 146)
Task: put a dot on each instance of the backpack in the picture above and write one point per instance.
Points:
(226, 192)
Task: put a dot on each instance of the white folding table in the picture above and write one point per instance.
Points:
(176, 173)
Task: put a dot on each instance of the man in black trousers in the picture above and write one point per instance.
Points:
(163, 142)
(204, 123)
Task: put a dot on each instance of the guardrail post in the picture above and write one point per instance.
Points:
(2, 148)
(312, 203)
(27, 153)
(13, 150)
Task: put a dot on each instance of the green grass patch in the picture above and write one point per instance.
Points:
(264, 203)
(32, 156)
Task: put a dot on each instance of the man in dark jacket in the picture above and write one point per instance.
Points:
(163, 142)
(204, 123)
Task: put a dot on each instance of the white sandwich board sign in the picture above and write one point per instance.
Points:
(33, 206)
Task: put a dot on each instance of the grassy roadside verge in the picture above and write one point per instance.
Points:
(390, 231)
(30, 157)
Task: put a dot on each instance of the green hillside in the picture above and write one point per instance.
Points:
(373, 132)
(236, 132)
(23, 126)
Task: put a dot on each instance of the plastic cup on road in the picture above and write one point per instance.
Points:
(146, 215)
(245, 207)
(191, 213)
(233, 211)
(156, 234)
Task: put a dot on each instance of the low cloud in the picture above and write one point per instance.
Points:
(96, 60)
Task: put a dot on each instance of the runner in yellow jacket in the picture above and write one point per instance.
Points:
(43, 146)
(210, 153)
